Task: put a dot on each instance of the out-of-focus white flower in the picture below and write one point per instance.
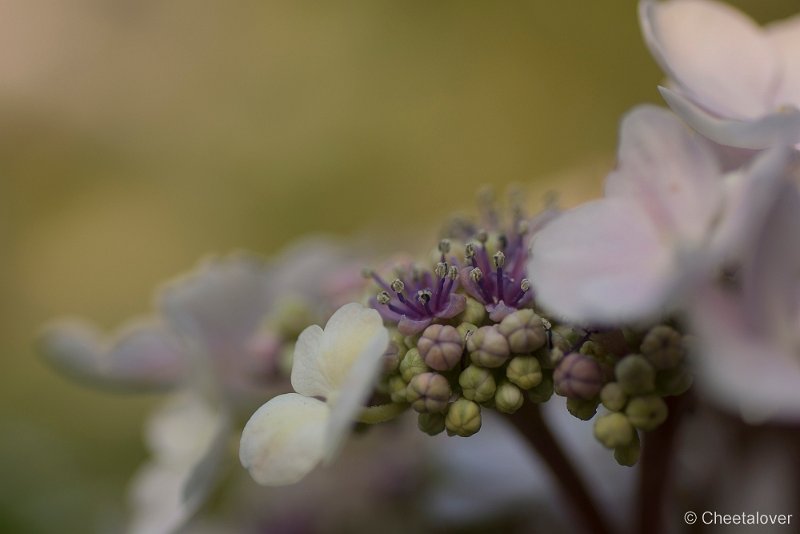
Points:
(749, 339)
(290, 434)
(187, 438)
(140, 355)
(733, 81)
(669, 218)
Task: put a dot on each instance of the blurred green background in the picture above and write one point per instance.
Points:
(138, 136)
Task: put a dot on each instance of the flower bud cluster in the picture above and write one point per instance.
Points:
(635, 398)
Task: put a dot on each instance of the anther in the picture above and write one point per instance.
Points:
(398, 286)
(384, 298)
(476, 274)
(499, 259)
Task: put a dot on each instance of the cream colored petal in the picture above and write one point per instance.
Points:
(284, 440)
(351, 332)
(785, 36)
(358, 385)
(308, 377)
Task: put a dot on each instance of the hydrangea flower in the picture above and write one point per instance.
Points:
(748, 354)
(290, 434)
(669, 218)
(732, 81)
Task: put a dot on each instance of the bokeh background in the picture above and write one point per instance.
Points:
(137, 136)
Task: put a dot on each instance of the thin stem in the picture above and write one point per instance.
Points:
(655, 466)
(529, 422)
(372, 415)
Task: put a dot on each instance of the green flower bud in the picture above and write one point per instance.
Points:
(431, 423)
(474, 312)
(463, 418)
(429, 392)
(524, 330)
(524, 371)
(578, 376)
(635, 375)
(542, 392)
(564, 338)
(613, 430)
(411, 365)
(613, 397)
(663, 347)
(466, 330)
(508, 398)
(488, 347)
(477, 384)
(628, 454)
(582, 409)
(410, 341)
(674, 381)
(590, 348)
(441, 347)
(548, 358)
(397, 388)
(646, 413)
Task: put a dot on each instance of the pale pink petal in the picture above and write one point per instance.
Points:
(740, 369)
(603, 263)
(715, 53)
(671, 171)
(785, 37)
(750, 195)
(776, 128)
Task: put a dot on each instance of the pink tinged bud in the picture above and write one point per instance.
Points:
(441, 347)
(578, 376)
(524, 330)
(488, 347)
(429, 393)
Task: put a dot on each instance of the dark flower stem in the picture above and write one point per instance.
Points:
(656, 462)
(529, 422)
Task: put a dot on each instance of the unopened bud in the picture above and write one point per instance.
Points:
(613, 397)
(663, 347)
(635, 375)
(673, 381)
(477, 384)
(441, 347)
(392, 356)
(431, 423)
(397, 389)
(474, 312)
(412, 364)
(466, 329)
(542, 393)
(628, 455)
(524, 371)
(647, 413)
(613, 430)
(429, 392)
(524, 330)
(508, 398)
(463, 418)
(488, 347)
(582, 409)
(578, 376)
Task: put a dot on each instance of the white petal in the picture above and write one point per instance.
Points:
(284, 440)
(602, 262)
(141, 355)
(718, 55)
(778, 128)
(188, 438)
(358, 385)
(785, 37)
(222, 303)
(672, 172)
(351, 332)
(308, 377)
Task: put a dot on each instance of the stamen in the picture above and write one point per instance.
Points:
(476, 275)
(444, 246)
(398, 286)
(499, 259)
(384, 298)
(440, 270)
